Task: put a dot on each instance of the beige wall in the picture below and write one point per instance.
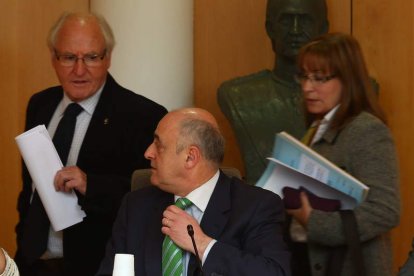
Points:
(147, 62)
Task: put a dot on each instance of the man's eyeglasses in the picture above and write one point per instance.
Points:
(90, 60)
(315, 80)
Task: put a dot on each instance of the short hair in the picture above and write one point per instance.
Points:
(340, 55)
(203, 135)
(106, 30)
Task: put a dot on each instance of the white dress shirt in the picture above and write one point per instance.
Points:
(200, 198)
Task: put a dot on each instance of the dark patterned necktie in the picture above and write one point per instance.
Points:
(172, 255)
(36, 226)
(64, 132)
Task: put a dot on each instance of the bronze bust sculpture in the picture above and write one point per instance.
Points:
(262, 104)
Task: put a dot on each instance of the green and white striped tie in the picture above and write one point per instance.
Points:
(172, 255)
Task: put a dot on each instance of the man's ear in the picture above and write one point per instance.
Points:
(193, 157)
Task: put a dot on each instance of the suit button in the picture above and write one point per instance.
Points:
(318, 266)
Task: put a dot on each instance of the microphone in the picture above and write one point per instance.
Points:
(190, 231)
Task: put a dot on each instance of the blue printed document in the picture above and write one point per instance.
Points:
(293, 164)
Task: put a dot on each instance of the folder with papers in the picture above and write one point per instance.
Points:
(293, 164)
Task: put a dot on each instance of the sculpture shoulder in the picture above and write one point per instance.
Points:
(241, 83)
(263, 86)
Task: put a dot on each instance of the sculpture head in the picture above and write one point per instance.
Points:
(290, 24)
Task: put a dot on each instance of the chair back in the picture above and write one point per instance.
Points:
(141, 178)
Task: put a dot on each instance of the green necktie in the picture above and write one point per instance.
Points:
(172, 255)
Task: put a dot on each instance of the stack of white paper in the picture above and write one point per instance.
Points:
(42, 161)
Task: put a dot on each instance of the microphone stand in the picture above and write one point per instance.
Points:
(190, 231)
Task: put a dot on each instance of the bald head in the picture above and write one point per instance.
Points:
(198, 127)
(194, 113)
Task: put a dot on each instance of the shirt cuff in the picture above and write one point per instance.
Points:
(208, 248)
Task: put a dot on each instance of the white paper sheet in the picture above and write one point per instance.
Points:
(42, 161)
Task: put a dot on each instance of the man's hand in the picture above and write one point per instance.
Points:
(174, 224)
(69, 178)
(302, 214)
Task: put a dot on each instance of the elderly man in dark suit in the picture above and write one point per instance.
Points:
(237, 227)
(113, 127)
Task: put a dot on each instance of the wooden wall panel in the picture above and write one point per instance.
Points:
(25, 69)
(385, 31)
(231, 41)
(9, 122)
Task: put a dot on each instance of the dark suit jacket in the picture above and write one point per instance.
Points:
(245, 220)
(119, 132)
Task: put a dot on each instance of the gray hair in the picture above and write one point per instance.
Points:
(203, 135)
(103, 25)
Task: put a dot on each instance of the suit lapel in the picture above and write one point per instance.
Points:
(216, 215)
(101, 121)
(48, 108)
(153, 245)
(102, 124)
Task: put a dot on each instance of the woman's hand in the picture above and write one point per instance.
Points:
(302, 214)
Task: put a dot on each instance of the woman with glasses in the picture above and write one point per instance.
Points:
(351, 132)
